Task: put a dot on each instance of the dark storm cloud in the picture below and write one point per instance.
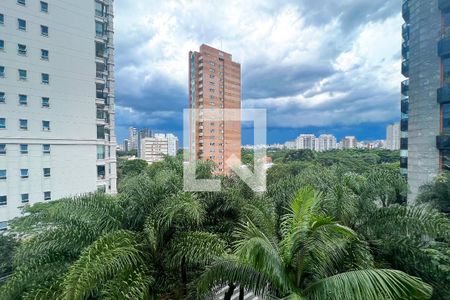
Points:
(308, 60)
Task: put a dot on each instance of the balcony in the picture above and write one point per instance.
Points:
(404, 162)
(404, 106)
(405, 10)
(405, 67)
(443, 94)
(405, 49)
(443, 4)
(404, 144)
(444, 46)
(405, 31)
(443, 142)
(405, 87)
(100, 76)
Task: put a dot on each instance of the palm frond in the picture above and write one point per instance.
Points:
(110, 255)
(195, 248)
(372, 284)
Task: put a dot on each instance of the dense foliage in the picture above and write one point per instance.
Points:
(330, 226)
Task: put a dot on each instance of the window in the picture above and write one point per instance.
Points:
(23, 173)
(25, 198)
(45, 102)
(2, 19)
(47, 196)
(46, 125)
(23, 99)
(99, 29)
(100, 151)
(2, 97)
(44, 6)
(2, 123)
(2, 45)
(44, 30)
(22, 74)
(21, 2)
(21, 49)
(23, 124)
(45, 78)
(46, 148)
(2, 71)
(46, 172)
(2, 174)
(23, 148)
(21, 24)
(44, 54)
(99, 9)
(3, 149)
(100, 132)
(3, 200)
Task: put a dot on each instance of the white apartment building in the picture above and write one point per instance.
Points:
(393, 136)
(154, 149)
(57, 134)
(349, 142)
(326, 142)
(306, 141)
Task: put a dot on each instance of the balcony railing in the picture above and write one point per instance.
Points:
(100, 75)
(443, 142)
(404, 125)
(405, 87)
(405, 67)
(101, 95)
(444, 45)
(404, 107)
(443, 4)
(405, 31)
(405, 49)
(405, 10)
(443, 94)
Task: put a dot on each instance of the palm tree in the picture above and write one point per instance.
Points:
(314, 258)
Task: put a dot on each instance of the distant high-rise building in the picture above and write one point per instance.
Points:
(125, 145)
(154, 149)
(349, 142)
(290, 145)
(326, 142)
(57, 136)
(425, 103)
(306, 141)
(393, 137)
(214, 84)
(133, 138)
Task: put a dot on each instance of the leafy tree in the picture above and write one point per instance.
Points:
(437, 193)
(8, 245)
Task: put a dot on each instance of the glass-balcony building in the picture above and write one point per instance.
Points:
(425, 93)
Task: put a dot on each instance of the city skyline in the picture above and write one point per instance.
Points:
(351, 88)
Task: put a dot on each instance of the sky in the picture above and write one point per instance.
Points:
(328, 66)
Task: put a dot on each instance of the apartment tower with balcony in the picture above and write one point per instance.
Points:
(56, 101)
(425, 103)
(214, 86)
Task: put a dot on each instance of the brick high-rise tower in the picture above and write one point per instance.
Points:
(214, 83)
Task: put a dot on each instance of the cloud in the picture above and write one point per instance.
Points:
(310, 63)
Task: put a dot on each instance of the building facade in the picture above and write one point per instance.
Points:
(393, 137)
(349, 142)
(425, 143)
(306, 141)
(133, 138)
(326, 142)
(57, 134)
(154, 149)
(214, 85)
